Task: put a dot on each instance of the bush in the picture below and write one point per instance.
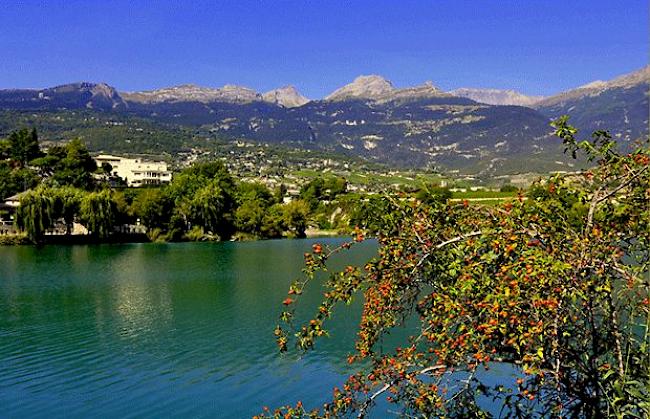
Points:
(555, 289)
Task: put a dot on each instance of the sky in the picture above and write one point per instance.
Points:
(538, 47)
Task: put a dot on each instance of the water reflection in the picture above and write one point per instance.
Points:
(157, 329)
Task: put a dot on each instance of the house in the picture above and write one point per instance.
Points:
(136, 172)
(8, 212)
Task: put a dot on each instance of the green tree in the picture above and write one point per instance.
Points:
(562, 295)
(14, 180)
(36, 213)
(247, 191)
(98, 212)
(208, 208)
(153, 207)
(433, 193)
(296, 217)
(76, 168)
(280, 193)
(249, 217)
(67, 203)
(273, 222)
(24, 146)
(312, 192)
(5, 150)
(204, 195)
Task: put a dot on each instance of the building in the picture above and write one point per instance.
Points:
(136, 172)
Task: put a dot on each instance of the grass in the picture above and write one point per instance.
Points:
(14, 239)
(483, 194)
(368, 178)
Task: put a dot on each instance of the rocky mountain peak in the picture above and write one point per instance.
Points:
(194, 93)
(93, 95)
(626, 81)
(363, 87)
(497, 96)
(287, 96)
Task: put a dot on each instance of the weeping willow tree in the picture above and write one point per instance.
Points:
(67, 202)
(36, 213)
(98, 211)
(208, 209)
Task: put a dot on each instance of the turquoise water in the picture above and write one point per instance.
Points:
(165, 330)
(182, 330)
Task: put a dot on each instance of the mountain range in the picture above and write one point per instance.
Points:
(471, 130)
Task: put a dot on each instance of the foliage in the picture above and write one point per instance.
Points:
(23, 146)
(36, 213)
(432, 194)
(153, 207)
(98, 212)
(273, 222)
(70, 165)
(14, 239)
(67, 203)
(555, 285)
(321, 189)
(204, 195)
(508, 188)
(209, 208)
(249, 217)
(296, 217)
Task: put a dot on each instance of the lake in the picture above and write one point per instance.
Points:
(151, 330)
(155, 330)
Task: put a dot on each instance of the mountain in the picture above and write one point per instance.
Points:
(378, 89)
(363, 87)
(194, 93)
(419, 126)
(98, 96)
(619, 105)
(496, 96)
(287, 96)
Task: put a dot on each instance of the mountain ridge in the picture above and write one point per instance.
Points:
(496, 96)
(418, 126)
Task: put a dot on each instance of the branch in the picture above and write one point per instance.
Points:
(624, 184)
(368, 402)
(443, 244)
(459, 238)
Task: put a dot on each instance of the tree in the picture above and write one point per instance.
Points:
(296, 217)
(247, 191)
(508, 187)
(36, 213)
(433, 193)
(5, 149)
(249, 217)
(107, 168)
(153, 207)
(204, 195)
(208, 208)
(24, 146)
(280, 192)
(322, 189)
(98, 212)
(556, 286)
(273, 222)
(76, 168)
(67, 202)
(14, 180)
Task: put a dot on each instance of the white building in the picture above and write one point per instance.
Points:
(137, 172)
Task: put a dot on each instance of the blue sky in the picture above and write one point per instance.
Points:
(535, 46)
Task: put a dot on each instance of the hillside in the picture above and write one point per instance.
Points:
(619, 105)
